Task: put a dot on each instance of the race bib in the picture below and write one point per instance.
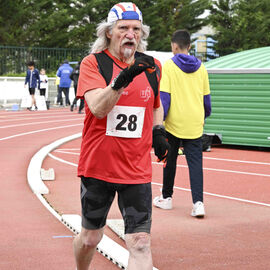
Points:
(126, 122)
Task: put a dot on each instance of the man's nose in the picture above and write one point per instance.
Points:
(130, 34)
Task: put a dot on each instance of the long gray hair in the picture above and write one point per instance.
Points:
(102, 42)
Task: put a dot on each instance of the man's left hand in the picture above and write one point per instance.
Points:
(160, 143)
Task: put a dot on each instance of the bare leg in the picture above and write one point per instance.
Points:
(84, 246)
(34, 101)
(139, 247)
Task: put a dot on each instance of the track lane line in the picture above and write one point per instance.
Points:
(240, 161)
(37, 131)
(70, 153)
(220, 196)
(38, 116)
(38, 123)
(220, 170)
(184, 189)
(184, 166)
(233, 160)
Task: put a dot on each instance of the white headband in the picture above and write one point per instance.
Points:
(124, 11)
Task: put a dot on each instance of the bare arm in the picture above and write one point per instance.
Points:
(101, 100)
(158, 115)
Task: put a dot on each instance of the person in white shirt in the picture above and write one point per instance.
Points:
(43, 82)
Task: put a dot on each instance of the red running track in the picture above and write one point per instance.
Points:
(233, 235)
(31, 237)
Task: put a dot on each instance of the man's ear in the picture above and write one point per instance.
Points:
(108, 35)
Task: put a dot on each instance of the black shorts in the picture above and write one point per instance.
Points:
(42, 91)
(134, 201)
(31, 91)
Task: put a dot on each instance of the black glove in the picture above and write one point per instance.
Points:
(126, 76)
(160, 143)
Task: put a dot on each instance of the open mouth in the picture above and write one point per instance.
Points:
(129, 44)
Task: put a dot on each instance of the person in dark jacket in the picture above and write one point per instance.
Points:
(33, 80)
(75, 77)
(64, 73)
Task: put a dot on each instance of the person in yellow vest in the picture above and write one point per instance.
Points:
(185, 95)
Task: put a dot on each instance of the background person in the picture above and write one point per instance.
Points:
(75, 77)
(32, 79)
(185, 96)
(117, 137)
(59, 94)
(64, 72)
(43, 82)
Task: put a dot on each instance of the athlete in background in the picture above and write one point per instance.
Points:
(33, 80)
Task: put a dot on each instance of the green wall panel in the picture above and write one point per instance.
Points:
(240, 108)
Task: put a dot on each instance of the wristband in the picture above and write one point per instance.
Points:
(113, 84)
(158, 127)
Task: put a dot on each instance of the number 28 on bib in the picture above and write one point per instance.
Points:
(125, 121)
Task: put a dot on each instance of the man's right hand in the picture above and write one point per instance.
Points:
(126, 76)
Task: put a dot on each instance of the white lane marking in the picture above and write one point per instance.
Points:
(44, 115)
(234, 160)
(185, 189)
(241, 161)
(220, 170)
(66, 152)
(37, 131)
(45, 122)
(62, 160)
(185, 166)
(67, 149)
(221, 196)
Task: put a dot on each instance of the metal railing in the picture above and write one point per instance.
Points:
(13, 59)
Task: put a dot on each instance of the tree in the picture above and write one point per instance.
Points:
(165, 17)
(13, 20)
(72, 23)
(253, 24)
(222, 18)
(240, 25)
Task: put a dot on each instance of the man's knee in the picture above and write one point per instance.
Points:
(90, 238)
(138, 242)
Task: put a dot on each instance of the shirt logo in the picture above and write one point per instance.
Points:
(146, 94)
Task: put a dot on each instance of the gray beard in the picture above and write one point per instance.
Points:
(127, 53)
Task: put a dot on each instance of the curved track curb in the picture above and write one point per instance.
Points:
(107, 247)
(33, 173)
